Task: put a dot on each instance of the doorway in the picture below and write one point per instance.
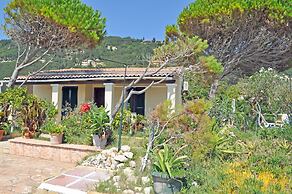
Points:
(98, 97)
(137, 102)
(69, 97)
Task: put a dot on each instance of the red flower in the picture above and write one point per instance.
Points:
(85, 107)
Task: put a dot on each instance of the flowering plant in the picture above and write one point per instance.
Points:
(85, 107)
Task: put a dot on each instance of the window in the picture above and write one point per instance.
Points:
(99, 96)
(137, 102)
(69, 97)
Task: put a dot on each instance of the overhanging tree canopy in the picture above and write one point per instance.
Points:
(43, 26)
(243, 35)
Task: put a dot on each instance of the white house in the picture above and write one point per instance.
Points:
(103, 86)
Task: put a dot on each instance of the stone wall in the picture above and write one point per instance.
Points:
(69, 153)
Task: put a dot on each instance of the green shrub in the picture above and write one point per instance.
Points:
(228, 152)
(167, 161)
(199, 86)
(131, 123)
(29, 112)
(269, 89)
(162, 112)
(126, 122)
(79, 127)
(239, 105)
(52, 127)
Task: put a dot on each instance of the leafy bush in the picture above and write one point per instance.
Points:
(269, 89)
(167, 161)
(6, 126)
(132, 123)
(80, 126)
(263, 168)
(27, 110)
(161, 113)
(199, 86)
(52, 127)
(264, 92)
(126, 122)
(223, 158)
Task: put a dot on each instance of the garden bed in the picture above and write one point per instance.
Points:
(70, 153)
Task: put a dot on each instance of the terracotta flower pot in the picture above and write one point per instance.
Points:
(15, 134)
(1, 134)
(27, 133)
(56, 138)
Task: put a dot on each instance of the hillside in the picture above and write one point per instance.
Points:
(126, 50)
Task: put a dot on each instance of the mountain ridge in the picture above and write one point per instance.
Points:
(116, 50)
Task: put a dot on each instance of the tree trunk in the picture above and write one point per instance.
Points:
(149, 147)
(214, 88)
(13, 77)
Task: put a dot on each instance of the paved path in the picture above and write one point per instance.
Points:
(76, 181)
(19, 174)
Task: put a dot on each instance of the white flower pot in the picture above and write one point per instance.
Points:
(99, 142)
(56, 138)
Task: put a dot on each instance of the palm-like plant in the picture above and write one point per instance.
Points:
(165, 160)
(227, 146)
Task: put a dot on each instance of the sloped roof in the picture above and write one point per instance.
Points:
(99, 74)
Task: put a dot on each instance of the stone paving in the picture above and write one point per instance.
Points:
(76, 181)
(20, 174)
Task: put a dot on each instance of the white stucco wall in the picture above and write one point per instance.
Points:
(81, 94)
(178, 95)
(89, 93)
(43, 91)
(153, 97)
(117, 94)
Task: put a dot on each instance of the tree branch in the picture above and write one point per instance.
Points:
(36, 72)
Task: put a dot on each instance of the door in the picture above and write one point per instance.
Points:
(69, 97)
(99, 96)
(137, 102)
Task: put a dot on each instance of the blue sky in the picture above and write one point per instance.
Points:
(134, 18)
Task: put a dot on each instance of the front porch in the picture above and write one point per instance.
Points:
(104, 94)
(104, 86)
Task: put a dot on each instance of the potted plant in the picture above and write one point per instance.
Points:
(164, 164)
(97, 120)
(56, 134)
(99, 140)
(100, 127)
(55, 130)
(2, 131)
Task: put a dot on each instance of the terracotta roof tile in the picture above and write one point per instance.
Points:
(100, 73)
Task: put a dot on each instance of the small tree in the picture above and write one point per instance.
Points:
(244, 35)
(182, 52)
(40, 27)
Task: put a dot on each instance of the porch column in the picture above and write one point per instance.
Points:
(109, 97)
(55, 94)
(171, 94)
(1, 85)
(56, 100)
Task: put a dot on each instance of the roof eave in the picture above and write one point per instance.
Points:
(89, 79)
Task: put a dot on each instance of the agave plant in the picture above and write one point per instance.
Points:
(165, 160)
(227, 145)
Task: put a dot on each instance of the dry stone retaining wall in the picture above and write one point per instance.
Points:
(69, 153)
